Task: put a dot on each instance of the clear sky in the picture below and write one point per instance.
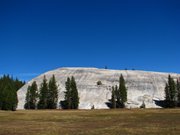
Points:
(41, 35)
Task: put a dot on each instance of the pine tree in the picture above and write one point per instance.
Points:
(8, 93)
(71, 95)
(34, 95)
(122, 91)
(18, 84)
(1, 94)
(31, 96)
(10, 99)
(68, 101)
(170, 93)
(74, 94)
(178, 93)
(119, 94)
(53, 94)
(118, 97)
(113, 98)
(14, 99)
(172, 89)
(43, 95)
(167, 94)
(27, 102)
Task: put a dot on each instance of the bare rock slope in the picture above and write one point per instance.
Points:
(142, 86)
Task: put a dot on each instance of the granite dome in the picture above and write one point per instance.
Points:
(142, 86)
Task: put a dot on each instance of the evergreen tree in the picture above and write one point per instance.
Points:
(8, 92)
(18, 84)
(43, 95)
(53, 94)
(167, 94)
(172, 89)
(74, 94)
(47, 98)
(122, 90)
(27, 102)
(119, 94)
(178, 93)
(170, 93)
(118, 97)
(31, 96)
(10, 99)
(71, 95)
(113, 98)
(68, 98)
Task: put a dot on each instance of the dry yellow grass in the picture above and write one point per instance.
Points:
(91, 122)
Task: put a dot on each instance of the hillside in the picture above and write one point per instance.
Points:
(142, 86)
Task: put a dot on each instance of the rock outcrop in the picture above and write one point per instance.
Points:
(142, 86)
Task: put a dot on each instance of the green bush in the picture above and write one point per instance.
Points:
(143, 106)
(99, 83)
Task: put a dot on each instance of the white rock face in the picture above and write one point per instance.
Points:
(142, 86)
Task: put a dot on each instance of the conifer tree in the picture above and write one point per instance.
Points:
(43, 95)
(10, 99)
(71, 95)
(118, 97)
(170, 93)
(18, 84)
(8, 92)
(178, 92)
(74, 94)
(113, 98)
(53, 94)
(68, 101)
(31, 96)
(119, 94)
(27, 102)
(167, 93)
(122, 91)
(172, 89)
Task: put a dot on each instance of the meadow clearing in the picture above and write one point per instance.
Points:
(91, 122)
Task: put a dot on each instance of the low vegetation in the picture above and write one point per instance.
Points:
(91, 122)
(99, 83)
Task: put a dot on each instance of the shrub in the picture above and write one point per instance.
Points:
(143, 106)
(92, 108)
(99, 83)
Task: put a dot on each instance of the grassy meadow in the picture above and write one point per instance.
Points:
(91, 122)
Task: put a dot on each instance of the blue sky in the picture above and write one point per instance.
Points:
(41, 35)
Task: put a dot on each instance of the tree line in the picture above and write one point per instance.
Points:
(46, 97)
(8, 92)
